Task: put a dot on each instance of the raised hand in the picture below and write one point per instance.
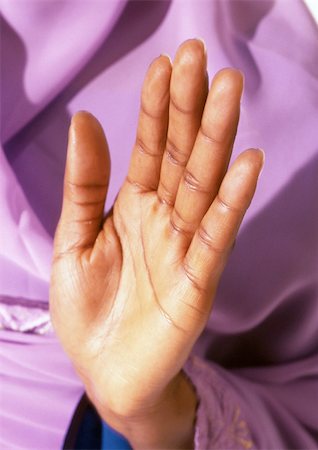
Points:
(131, 293)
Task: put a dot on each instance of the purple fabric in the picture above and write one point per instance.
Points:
(256, 364)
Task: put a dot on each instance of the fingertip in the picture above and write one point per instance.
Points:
(262, 160)
(257, 156)
(84, 118)
(160, 66)
(84, 126)
(251, 160)
(80, 118)
(158, 74)
(191, 52)
(200, 39)
(263, 155)
(166, 58)
(76, 122)
(229, 79)
(155, 90)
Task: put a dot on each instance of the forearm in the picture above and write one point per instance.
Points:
(170, 425)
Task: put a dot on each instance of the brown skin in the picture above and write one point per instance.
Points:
(130, 294)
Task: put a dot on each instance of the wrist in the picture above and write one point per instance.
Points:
(169, 423)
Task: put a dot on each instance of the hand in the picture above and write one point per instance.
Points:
(131, 293)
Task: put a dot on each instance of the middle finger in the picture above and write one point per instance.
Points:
(188, 91)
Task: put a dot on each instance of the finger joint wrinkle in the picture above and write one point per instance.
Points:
(206, 239)
(140, 188)
(210, 139)
(77, 186)
(175, 154)
(143, 149)
(179, 108)
(179, 229)
(165, 197)
(226, 205)
(192, 182)
(194, 279)
(87, 221)
(87, 202)
(149, 114)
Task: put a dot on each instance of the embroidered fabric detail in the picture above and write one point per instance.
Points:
(219, 421)
(25, 315)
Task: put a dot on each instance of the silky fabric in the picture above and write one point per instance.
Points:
(255, 367)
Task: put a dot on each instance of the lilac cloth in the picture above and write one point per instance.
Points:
(255, 367)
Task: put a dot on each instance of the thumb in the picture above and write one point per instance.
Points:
(85, 185)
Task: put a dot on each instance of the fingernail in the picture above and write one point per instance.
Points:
(243, 83)
(168, 56)
(263, 161)
(203, 42)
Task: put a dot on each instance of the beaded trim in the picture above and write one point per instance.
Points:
(25, 315)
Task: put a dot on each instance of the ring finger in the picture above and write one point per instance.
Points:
(210, 157)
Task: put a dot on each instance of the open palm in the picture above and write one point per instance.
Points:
(131, 293)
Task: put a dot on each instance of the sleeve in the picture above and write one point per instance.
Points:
(248, 412)
(113, 440)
